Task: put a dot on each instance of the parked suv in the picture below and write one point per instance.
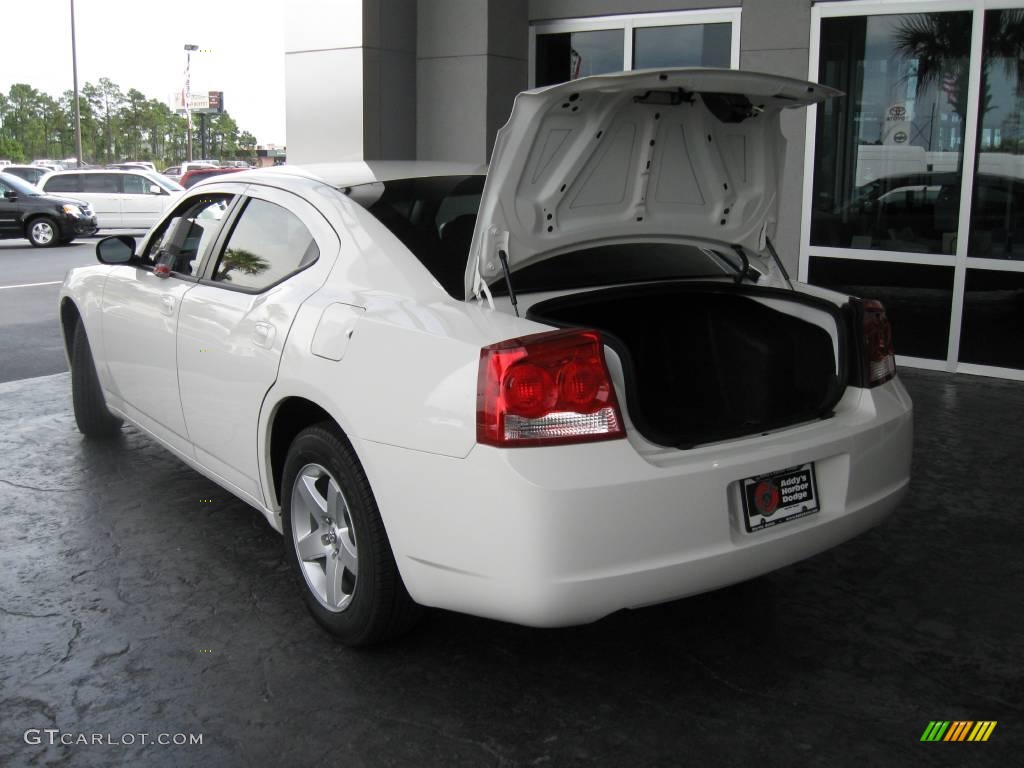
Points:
(30, 173)
(46, 220)
(121, 199)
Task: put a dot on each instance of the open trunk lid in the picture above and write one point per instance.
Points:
(649, 154)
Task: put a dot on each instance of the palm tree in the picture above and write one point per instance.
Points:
(940, 44)
(245, 262)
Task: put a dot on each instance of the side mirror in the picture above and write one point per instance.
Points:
(119, 249)
(10, 194)
(155, 190)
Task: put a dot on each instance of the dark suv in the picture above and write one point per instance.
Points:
(45, 220)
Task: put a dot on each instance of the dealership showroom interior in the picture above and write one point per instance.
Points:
(512, 382)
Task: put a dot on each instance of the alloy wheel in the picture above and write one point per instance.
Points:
(42, 232)
(324, 537)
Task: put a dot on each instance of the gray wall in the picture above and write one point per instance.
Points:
(471, 61)
(435, 79)
(775, 37)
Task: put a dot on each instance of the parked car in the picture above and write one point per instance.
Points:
(198, 174)
(133, 166)
(121, 199)
(44, 220)
(30, 173)
(581, 384)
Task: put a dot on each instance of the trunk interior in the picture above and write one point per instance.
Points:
(707, 362)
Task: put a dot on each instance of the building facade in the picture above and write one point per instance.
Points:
(904, 189)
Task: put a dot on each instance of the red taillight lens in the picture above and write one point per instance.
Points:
(879, 357)
(546, 389)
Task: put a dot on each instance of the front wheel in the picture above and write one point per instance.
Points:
(335, 541)
(43, 232)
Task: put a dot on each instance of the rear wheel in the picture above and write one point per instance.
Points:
(91, 414)
(43, 232)
(335, 541)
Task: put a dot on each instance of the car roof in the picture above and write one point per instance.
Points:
(353, 173)
(100, 170)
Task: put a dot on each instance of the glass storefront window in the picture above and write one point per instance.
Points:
(889, 154)
(993, 319)
(997, 213)
(571, 55)
(690, 45)
(918, 298)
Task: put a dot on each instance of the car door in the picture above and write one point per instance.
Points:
(141, 305)
(140, 207)
(10, 212)
(273, 255)
(103, 192)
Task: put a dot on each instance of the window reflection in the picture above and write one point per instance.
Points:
(572, 55)
(888, 154)
(917, 298)
(997, 214)
(267, 244)
(993, 319)
(691, 45)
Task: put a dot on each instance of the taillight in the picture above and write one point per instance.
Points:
(879, 357)
(546, 389)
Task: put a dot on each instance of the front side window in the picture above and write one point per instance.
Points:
(268, 244)
(136, 185)
(183, 239)
(889, 153)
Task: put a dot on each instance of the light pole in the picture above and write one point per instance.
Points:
(188, 93)
(74, 75)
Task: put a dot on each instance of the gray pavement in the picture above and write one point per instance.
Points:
(138, 597)
(30, 340)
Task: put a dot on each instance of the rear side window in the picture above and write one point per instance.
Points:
(434, 217)
(72, 182)
(101, 182)
(268, 244)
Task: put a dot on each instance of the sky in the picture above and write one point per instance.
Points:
(139, 44)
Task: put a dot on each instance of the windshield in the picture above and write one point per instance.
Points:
(20, 186)
(165, 183)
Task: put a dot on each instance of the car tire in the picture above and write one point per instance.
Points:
(335, 541)
(91, 414)
(42, 232)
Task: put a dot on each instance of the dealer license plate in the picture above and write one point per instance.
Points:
(778, 497)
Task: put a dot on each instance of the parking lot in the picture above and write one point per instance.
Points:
(138, 597)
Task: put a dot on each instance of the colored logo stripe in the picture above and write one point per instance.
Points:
(958, 730)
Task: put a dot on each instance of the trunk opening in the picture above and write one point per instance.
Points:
(708, 362)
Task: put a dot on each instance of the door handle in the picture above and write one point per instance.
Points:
(263, 335)
(167, 305)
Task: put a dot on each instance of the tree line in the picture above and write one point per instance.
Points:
(116, 126)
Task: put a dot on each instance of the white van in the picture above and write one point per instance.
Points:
(121, 199)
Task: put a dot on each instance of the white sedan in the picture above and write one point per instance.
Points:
(580, 383)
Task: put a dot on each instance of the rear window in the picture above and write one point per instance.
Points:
(68, 183)
(434, 218)
(616, 264)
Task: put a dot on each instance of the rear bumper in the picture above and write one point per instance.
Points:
(565, 535)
